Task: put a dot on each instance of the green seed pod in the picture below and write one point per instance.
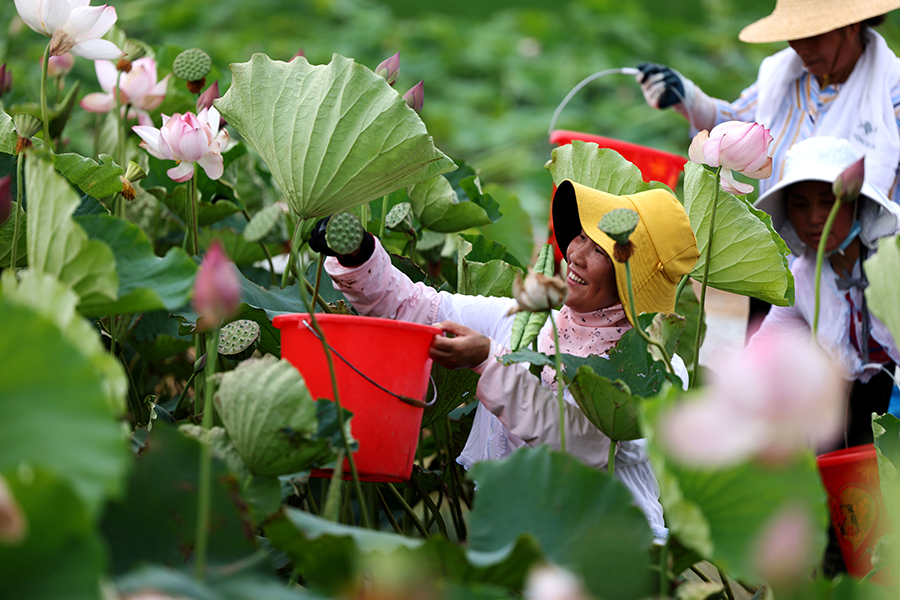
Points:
(192, 64)
(238, 339)
(344, 233)
(619, 224)
(399, 218)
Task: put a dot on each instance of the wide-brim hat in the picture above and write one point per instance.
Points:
(799, 19)
(665, 248)
(823, 159)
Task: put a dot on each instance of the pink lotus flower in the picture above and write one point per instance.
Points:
(188, 139)
(735, 146)
(138, 88)
(849, 183)
(415, 97)
(217, 291)
(784, 551)
(389, 68)
(779, 396)
(205, 100)
(72, 26)
(60, 65)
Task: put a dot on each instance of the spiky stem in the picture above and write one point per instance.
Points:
(820, 259)
(205, 484)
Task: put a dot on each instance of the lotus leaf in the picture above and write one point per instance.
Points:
(334, 136)
(271, 417)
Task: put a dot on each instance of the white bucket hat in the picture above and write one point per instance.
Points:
(798, 19)
(823, 159)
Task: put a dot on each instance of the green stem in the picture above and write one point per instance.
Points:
(265, 250)
(20, 183)
(640, 330)
(680, 288)
(455, 485)
(387, 512)
(205, 486)
(559, 387)
(427, 501)
(820, 259)
(318, 276)
(703, 284)
(45, 113)
(611, 460)
(407, 509)
(384, 207)
(192, 202)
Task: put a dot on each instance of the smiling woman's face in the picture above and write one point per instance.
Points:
(591, 277)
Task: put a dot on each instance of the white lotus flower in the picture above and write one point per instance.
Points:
(72, 26)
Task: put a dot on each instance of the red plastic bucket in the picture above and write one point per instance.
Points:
(655, 165)
(850, 477)
(394, 354)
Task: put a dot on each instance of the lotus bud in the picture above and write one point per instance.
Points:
(389, 69)
(217, 291)
(538, 293)
(619, 224)
(415, 97)
(300, 54)
(60, 65)
(13, 526)
(5, 198)
(205, 100)
(849, 183)
(734, 146)
(5, 80)
(200, 364)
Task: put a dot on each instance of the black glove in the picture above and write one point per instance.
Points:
(662, 86)
(318, 243)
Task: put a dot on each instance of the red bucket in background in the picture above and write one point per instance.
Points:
(850, 477)
(655, 165)
(394, 354)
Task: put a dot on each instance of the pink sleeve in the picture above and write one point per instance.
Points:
(375, 288)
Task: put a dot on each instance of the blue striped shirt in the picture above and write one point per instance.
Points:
(804, 106)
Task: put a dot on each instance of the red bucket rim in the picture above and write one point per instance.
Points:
(288, 319)
(566, 136)
(846, 455)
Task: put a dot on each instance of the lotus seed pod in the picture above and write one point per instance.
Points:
(399, 218)
(619, 224)
(192, 65)
(238, 339)
(344, 233)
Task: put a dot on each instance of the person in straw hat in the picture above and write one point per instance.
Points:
(837, 78)
(515, 408)
(860, 345)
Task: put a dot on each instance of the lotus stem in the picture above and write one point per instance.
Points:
(331, 507)
(192, 202)
(321, 264)
(637, 326)
(119, 201)
(20, 182)
(680, 288)
(265, 250)
(703, 284)
(561, 401)
(427, 501)
(407, 509)
(455, 486)
(820, 259)
(384, 209)
(387, 512)
(205, 486)
(45, 113)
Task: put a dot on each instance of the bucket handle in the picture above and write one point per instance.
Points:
(400, 397)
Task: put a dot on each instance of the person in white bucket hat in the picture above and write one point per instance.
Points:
(837, 78)
(859, 344)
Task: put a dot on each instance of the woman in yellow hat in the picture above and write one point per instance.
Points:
(515, 408)
(837, 78)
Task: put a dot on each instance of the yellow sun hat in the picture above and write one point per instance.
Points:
(665, 248)
(799, 19)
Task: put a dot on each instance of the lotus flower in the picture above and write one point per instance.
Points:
(5, 80)
(539, 293)
(13, 526)
(58, 66)
(415, 97)
(785, 550)
(779, 396)
(735, 146)
(138, 87)
(72, 26)
(389, 68)
(188, 139)
(849, 183)
(217, 291)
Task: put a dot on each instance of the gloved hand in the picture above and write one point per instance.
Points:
(318, 243)
(663, 87)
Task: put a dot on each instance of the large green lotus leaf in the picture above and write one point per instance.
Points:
(60, 535)
(583, 519)
(56, 412)
(884, 284)
(57, 245)
(887, 444)
(454, 387)
(485, 268)
(334, 136)
(146, 281)
(514, 230)
(599, 168)
(748, 257)
(438, 207)
(719, 513)
(271, 417)
(611, 409)
(93, 178)
(331, 556)
(8, 134)
(7, 232)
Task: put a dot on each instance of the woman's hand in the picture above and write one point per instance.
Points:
(466, 349)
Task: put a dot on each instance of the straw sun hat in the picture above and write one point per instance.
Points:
(665, 248)
(798, 19)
